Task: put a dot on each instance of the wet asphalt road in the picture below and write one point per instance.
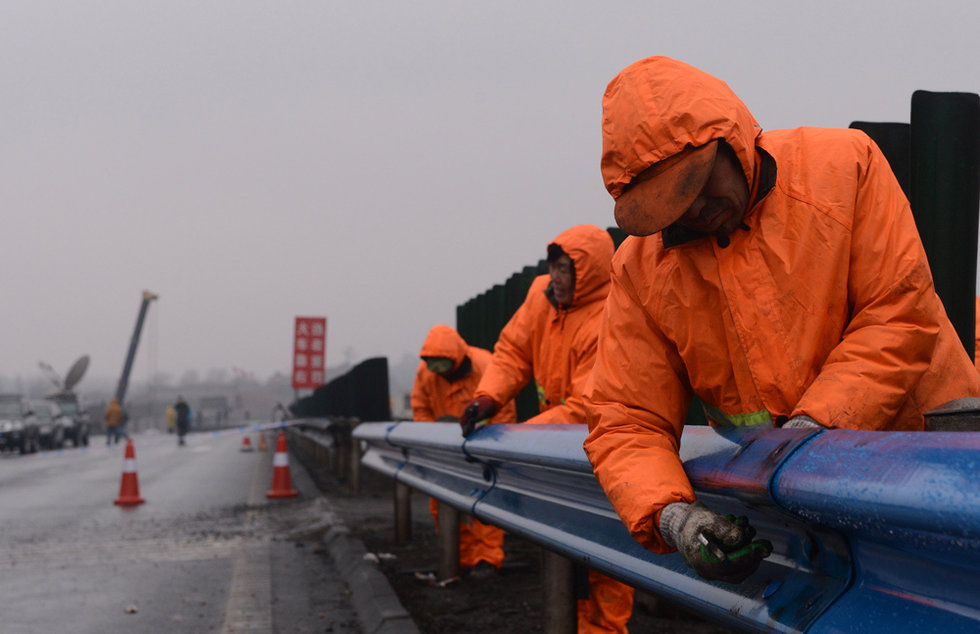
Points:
(207, 552)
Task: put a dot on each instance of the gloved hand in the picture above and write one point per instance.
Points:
(801, 422)
(477, 413)
(717, 547)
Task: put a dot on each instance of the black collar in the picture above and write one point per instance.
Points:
(465, 367)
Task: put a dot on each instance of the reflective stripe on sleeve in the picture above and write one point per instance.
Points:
(719, 417)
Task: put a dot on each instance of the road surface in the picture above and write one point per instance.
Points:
(206, 552)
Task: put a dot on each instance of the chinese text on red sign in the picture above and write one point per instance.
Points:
(309, 352)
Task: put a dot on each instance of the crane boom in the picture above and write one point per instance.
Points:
(133, 343)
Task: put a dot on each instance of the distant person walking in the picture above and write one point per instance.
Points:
(280, 413)
(113, 422)
(183, 419)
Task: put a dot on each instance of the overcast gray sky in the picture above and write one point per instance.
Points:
(377, 163)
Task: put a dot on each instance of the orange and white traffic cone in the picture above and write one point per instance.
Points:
(282, 486)
(246, 443)
(129, 487)
(262, 445)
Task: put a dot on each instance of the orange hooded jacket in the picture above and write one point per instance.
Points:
(435, 396)
(113, 414)
(555, 344)
(824, 305)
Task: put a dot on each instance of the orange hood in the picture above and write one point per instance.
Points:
(443, 341)
(656, 107)
(591, 251)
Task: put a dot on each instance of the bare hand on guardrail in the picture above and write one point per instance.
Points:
(717, 547)
(478, 412)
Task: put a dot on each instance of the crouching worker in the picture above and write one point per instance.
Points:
(777, 275)
(444, 383)
(552, 339)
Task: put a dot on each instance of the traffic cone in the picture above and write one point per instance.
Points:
(129, 487)
(282, 486)
(246, 443)
(262, 445)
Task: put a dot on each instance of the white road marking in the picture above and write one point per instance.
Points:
(249, 606)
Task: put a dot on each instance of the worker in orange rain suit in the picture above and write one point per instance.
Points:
(552, 336)
(778, 276)
(444, 383)
(113, 422)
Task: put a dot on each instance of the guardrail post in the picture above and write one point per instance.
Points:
(322, 453)
(403, 513)
(341, 446)
(558, 581)
(354, 451)
(448, 542)
(331, 451)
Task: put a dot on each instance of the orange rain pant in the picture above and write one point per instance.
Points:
(477, 541)
(608, 608)
(610, 603)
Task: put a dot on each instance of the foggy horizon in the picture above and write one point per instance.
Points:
(377, 164)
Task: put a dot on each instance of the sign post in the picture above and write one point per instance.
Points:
(309, 352)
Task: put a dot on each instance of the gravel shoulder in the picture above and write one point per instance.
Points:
(511, 601)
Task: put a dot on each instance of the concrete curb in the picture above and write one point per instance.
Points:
(378, 609)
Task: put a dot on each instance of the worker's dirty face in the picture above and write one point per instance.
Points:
(722, 203)
(439, 365)
(562, 279)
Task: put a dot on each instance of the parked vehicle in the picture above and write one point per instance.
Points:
(51, 423)
(78, 422)
(18, 427)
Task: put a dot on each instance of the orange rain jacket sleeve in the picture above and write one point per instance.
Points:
(555, 344)
(434, 396)
(823, 306)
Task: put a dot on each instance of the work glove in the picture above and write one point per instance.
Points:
(718, 547)
(478, 413)
(801, 422)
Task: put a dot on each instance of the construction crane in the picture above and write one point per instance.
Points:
(124, 379)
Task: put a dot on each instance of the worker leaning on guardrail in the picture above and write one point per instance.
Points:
(552, 338)
(778, 276)
(444, 383)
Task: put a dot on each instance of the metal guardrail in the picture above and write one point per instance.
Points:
(872, 531)
(328, 442)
